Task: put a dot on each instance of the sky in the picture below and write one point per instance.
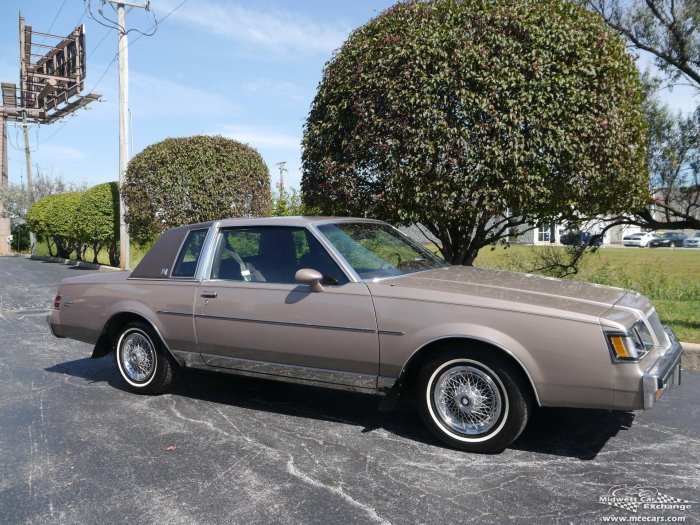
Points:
(247, 70)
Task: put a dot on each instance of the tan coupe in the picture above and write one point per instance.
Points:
(354, 304)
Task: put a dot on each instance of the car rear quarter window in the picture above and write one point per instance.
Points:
(187, 259)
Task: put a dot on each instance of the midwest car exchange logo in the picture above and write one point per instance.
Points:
(644, 498)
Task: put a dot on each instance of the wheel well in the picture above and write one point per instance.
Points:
(410, 372)
(108, 338)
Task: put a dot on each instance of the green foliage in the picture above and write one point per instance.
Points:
(290, 204)
(194, 179)
(96, 220)
(20, 237)
(60, 212)
(473, 116)
(36, 216)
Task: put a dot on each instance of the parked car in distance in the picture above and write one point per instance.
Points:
(692, 242)
(579, 238)
(354, 304)
(668, 240)
(640, 239)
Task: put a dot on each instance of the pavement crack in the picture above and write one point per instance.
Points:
(338, 490)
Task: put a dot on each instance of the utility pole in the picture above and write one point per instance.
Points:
(123, 122)
(5, 228)
(124, 248)
(30, 188)
(282, 167)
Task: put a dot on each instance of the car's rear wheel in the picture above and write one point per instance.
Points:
(473, 399)
(142, 361)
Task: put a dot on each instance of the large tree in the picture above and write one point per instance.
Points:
(193, 179)
(472, 117)
(668, 31)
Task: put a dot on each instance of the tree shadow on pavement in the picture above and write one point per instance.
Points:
(575, 433)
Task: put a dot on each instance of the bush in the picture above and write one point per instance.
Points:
(36, 220)
(96, 220)
(59, 215)
(187, 180)
(20, 237)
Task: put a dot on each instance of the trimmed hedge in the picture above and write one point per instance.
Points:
(73, 221)
(96, 220)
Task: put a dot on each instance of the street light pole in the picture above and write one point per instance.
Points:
(123, 133)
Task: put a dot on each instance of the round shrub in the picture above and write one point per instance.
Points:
(194, 179)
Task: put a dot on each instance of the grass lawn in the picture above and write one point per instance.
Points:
(669, 277)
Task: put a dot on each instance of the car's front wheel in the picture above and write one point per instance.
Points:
(142, 361)
(473, 399)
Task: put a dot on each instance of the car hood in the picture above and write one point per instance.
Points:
(503, 290)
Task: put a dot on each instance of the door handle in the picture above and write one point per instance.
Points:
(209, 295)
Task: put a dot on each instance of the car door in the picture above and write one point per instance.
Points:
(251, 315)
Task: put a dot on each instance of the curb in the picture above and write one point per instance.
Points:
(70, 262)
(691, 356)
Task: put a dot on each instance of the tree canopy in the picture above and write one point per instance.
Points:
(193, 179)
(471, 117)
(668, 31)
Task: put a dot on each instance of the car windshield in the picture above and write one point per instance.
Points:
(668, 235)
(377, 250)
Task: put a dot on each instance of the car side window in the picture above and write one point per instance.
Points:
(273, 255)
(187, 259)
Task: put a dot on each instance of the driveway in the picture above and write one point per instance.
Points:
(76, 448)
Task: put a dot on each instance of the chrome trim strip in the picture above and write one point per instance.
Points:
(206, 255)
(335, 254)
(291, 373)
(168, 312)
(476, 338)
(384, 383)
(190, 359)
(286, 323)
(283, 323)
(390, 332)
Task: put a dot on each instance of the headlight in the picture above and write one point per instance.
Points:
(631, 345)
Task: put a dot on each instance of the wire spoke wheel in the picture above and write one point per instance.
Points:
(138, 356)
(467, 400)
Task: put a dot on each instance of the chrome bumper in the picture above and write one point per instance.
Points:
(664, 373)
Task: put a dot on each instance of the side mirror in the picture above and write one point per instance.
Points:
(310, 277)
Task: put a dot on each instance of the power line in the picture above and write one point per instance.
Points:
(113, 24)
(107, 33)
(54, 19)
(104, 73)
(161, 20)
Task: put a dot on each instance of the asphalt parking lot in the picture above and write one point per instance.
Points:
(76, 448)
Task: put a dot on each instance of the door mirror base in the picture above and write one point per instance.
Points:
(311, 277)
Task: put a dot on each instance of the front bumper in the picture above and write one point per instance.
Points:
(664, 373)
